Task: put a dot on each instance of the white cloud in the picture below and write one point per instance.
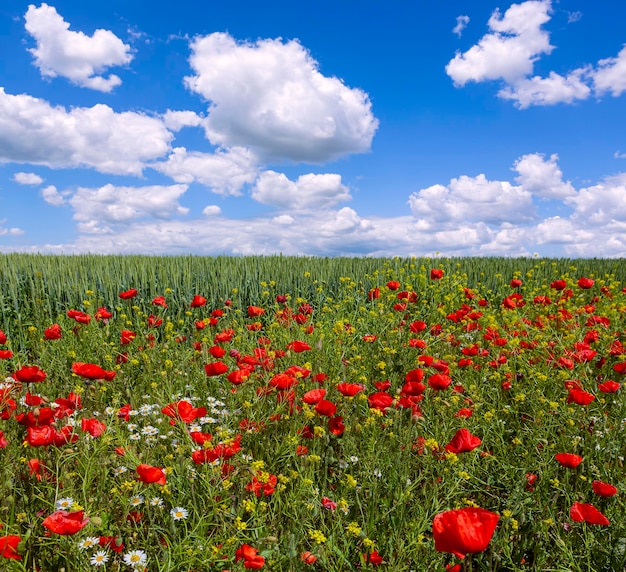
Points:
(27, 179)
(270, 97)
(543, 178)
(602, 204)
(14, 231)
(461, 23)
(511, 47)
(226, 171)
(33, 131)
(509, 50)
(610, 75)
(472, 199)
(176, 120)
(74, 55)
(547, 90)
(557, 230)
(308, 191)
(211, 210)
(96, 210)
(51, 195)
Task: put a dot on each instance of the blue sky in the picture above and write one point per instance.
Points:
(313, 128)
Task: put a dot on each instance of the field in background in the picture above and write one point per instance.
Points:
(305, 413)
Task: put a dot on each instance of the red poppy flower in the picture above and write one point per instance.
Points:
(463, 441)
(126, 336)
(184, 411)
(326, 408)
(65, 523)
(580, 397)
(79, 316)
(198, 301)
(583, 512)
(308, 557)
(3, 440)
(102, 314)
(159, 301)
(585, 283)
(217, 352)
(112, 542)
(215, 368)
(374, 558)
(92, 426)
(149, 474)
(8, 547)
(314, 396)
(53, 332)
(128, 294)
(436, 274)
(603, 489)
(282, 381)
(3, 338)
(373, 294)
(298, 346)
(350, 389)
(393, 285)
(464, 531)
(6, 354)
(199, 437)
(336, 425)
(569, 460)
(255, 311)
(265, 486)
(609, 386)
(439, 381)
(558, 285)
(92, 371)
(40, 436)
(238, 376)
(252, 560)
(30, 374)
(380, 400)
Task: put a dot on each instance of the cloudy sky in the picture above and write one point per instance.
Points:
(325, 127)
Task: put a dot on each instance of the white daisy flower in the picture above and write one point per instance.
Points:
(88, 542)
(179, 513)
(136, 500)
(135, 558)
(64, 503)
(99, 558)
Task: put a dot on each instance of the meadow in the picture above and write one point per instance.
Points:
(276, 413)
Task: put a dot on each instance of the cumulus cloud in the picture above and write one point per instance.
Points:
(32, 131)
(269, 96)
(80, 58)
(13, 231)
(602, 204)
(97, 209)
(508, 52)
(27, 179)
(472, 199)
(547, 90)
(541, 177)
(51, 195)
(225, 172)
(610, 75)
(461, 23)
(176, 120)
(211, 210)
(308, 191)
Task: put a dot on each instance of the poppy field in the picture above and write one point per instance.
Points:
(192, 414)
